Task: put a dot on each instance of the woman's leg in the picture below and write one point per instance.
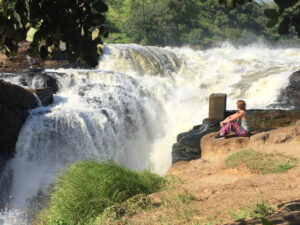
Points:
(239, 130)
(226, 129)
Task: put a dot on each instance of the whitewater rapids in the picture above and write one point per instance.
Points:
(131, 108)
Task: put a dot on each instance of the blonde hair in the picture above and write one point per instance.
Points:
(241, 105)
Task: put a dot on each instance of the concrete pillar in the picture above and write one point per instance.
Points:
(217, 106)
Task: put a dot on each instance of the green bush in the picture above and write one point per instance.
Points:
(87, 188)
(259, 162)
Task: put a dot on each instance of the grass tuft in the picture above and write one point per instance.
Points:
(87, 188)
(257, 210)
(263, 163)
(128, 208)
(185, 197)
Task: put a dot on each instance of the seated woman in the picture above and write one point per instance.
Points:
(236, 122)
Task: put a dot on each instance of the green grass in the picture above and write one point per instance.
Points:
(185, 197)
(87, 188)
(263, 163)
(115, 213)
(256, 210)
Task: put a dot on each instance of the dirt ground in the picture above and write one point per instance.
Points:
(219, 192)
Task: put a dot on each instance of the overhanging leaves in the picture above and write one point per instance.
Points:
(55, 22)
(284, 26)
(271, 13)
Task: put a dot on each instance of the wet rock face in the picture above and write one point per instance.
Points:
(187, 147)
(34, 79)
(39, 79)
(15, 102)
(290, 96)
(45, 95)
(2, 163)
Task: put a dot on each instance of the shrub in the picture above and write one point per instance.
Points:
(87, 188)
(259, 162)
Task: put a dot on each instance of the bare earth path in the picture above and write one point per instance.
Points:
(219, 192)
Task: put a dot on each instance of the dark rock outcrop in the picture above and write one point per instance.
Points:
(2, 163)
(290, 96)
(39, 79)
(34, 79)
(45, 95)
(15, 102)
(187, 147)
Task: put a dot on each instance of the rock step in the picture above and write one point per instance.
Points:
(213, 149)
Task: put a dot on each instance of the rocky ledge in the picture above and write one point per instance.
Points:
(212, 149)
(220, 191)
(188, 148)
(15, 102)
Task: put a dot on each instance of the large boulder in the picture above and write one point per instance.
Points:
(187, 147)
(290, 96)
(43, 84)
(15, 102)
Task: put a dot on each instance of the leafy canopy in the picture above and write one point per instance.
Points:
(71, 26)
(202, 23)
(287, 14)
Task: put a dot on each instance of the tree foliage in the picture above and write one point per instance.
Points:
(71, 26)
(177, 22)
(287, 14)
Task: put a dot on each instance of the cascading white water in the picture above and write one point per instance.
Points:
(132, 107)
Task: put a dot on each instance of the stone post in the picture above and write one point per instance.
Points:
(217, 106)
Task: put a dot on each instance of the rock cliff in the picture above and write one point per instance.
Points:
(187, 146)
(15, 102)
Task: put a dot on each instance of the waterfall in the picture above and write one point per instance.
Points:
(131, 108)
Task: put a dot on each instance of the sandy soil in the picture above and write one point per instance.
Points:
(219, 191)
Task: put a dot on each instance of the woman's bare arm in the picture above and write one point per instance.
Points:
(233, 117)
